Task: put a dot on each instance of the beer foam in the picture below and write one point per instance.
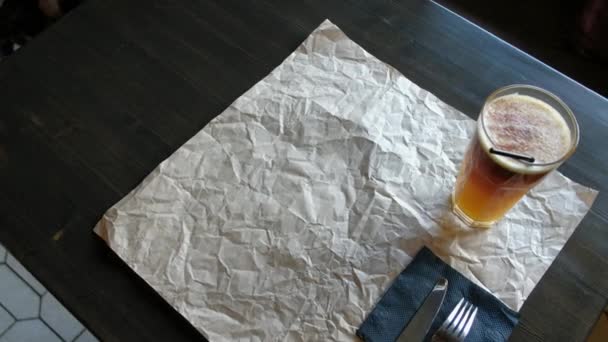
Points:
(524, 125)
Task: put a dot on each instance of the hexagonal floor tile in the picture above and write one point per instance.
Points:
(30, 331)
(59, 318)
(16, 296)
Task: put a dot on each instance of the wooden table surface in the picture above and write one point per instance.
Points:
(96, 102)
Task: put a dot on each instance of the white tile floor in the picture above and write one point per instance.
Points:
(28, 312)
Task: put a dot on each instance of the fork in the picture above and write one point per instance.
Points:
(458, 324)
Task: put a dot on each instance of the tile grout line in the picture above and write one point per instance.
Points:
(40, 306)
(9, 312)
(79, 334)
(15, 322)
(29, 319)
(7, 329)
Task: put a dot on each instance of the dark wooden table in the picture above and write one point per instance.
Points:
(96, 102)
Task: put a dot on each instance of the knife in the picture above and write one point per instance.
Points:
(419, 325)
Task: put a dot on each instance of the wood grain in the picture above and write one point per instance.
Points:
(96, 102)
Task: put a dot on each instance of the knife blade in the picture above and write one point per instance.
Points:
(419, 325)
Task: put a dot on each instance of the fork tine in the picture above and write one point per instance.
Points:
(450, 318)
(456, 327)
(465, 332)
(453, 330)
(465, 319)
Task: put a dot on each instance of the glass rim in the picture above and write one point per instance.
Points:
(570, 116)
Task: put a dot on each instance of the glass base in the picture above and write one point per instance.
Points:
(466, 219)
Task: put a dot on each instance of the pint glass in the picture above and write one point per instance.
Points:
(523, 133)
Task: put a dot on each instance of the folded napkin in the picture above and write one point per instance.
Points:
(494, 321)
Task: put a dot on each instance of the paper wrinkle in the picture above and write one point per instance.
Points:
(290, 213)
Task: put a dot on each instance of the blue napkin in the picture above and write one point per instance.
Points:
(494, 321)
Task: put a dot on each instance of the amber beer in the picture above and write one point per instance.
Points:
(523, 133)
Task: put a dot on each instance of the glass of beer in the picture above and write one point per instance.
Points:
(523, 133)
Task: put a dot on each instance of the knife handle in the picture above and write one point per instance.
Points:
(437, 338)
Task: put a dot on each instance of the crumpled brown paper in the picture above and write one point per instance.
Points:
(289, 214)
